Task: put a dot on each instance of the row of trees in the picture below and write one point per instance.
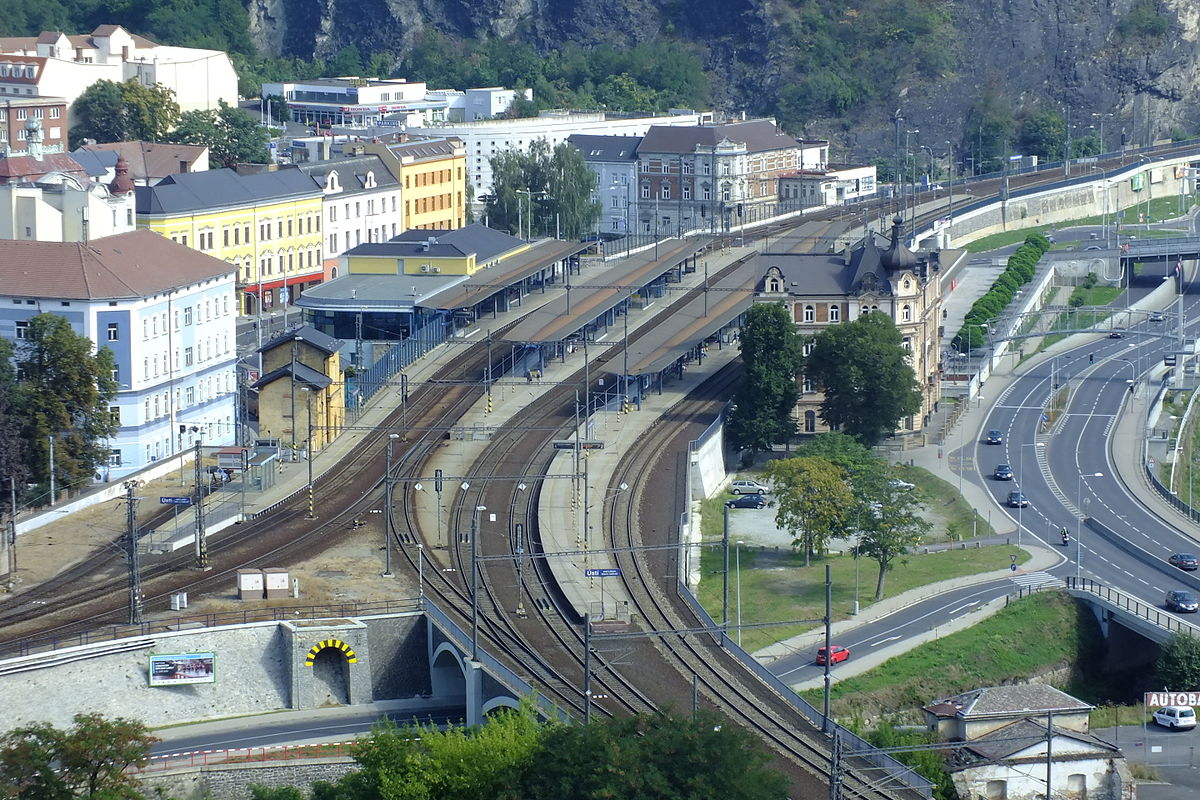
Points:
(861, 366)
(544, 190)
(1020, 270)
(53, 383)
(115, 112)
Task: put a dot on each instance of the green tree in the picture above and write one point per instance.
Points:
(280, 110)
(1043, 134)
(230, 134)
(653, 757)
(1178, 666)
(12, 447)
(117, 112)
(813, 501)
(889, 522)
(842, 450)
(988, 130)
(863, 369)
(765, 400)
(88, 760)
(63, 390)
(542, 190)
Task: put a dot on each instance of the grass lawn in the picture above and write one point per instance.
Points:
(1029, 636)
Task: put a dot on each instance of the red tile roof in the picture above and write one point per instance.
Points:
(126, 266)
(14, 168)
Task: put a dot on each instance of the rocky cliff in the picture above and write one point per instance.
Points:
(1136, 60)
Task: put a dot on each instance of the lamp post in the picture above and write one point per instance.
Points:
(1079, 519)
(387, 508)
(475, 582)
(738, 570)
(950, 184)
(308, 447)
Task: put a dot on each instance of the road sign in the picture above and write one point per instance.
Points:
(610, 572)
(586, 444)
(175, 501)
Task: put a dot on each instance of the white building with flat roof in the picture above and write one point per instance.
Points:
(485, 138)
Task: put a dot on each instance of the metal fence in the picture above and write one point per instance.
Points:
(1134, 606)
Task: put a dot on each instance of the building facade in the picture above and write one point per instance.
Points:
(267, 225)
(878, 275)
(614, 161)
(15, 131)
(148, 162)
(61, 66)
(301, 392)
(834, 185)
(166, 312)
(60, 207)
(361, 203)
(432, 176)
(483, 139)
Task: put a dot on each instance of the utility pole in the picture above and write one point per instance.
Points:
(835, 766)
(387, 508)
(53, 493)
(131, 553)
(725, 575)
(828, 645)
(198, 508)
(11, 535)
(587, 668)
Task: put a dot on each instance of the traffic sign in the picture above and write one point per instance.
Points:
(175, 501)
(586, 444)
(610, 572)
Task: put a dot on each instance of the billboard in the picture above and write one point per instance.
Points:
(1171, 698)
(178, 669)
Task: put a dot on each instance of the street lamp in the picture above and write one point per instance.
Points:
(1079, 519)
(387, 508)
(308, 446)
(738, 570)
(475, 582)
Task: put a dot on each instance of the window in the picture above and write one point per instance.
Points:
(333, 248)
(114, 458)
(810, 314)
(806, 385)
(810, 422)
(22, 330)
(115, 413)
(725, 193)
(190, 396)
(145, 329)
(147, 414)
(906, 313)
(290, 226)
(687, 191)
(706, 168)
(835, 313)
(116, 374)
(187, 315)
(645, 191)
(225, 237)
(187, 356)
(666, 191)
(114, 332)
(616, 201)
(689, 168)
(705, 193)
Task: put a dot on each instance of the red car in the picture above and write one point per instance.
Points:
(837, 654)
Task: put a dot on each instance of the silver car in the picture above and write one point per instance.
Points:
(748, 487)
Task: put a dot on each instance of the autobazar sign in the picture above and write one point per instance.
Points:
(1171, 698)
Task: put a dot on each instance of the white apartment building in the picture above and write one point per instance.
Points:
(168, 314)
(393, 103)
(485, 138)
(833, 185)
(61, 208)
(361, 203)
(55, 64)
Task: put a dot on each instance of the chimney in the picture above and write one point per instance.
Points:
(183, 166)
(326, 148)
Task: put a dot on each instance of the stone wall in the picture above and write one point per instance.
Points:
(232, 781)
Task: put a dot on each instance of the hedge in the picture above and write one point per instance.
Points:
(1020, 270)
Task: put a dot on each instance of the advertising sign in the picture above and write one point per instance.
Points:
(1171, 699)
(177, 669)
(1138, 182)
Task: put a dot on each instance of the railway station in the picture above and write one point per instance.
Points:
(587, 314)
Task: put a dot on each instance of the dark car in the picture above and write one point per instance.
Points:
(1116, 335)
(994, 437)
(1184, 561)
(1017, 500)
(747, 501)
(1003, 472)
(1183, 602)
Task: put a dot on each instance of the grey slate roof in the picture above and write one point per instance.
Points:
(352, 173)
(828, 274)
(304, 374)
(1010, 740)
(757, 134)
(385, 293)
(309, 335)
(98, 163)
(486, 243)
(222, 188)
(1018, 700)
(606, 148)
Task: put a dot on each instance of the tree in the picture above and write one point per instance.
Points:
(117, 112)
(230, 134)
(88, 760)
(542, 190)
(889, 522)
(12, 449)
(1178, 666)
(843, 451)
(63, 390)
(813, 501)
(863, 369)
(988, 130)
(280, 110)
(1043, 134)
(765, 400)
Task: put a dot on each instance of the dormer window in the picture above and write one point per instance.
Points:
(331, 182)
(774, 285)
(907, 285)
(370, 181)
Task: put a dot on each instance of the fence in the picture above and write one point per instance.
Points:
(1129, 603)
(287, 752)
(367, 382)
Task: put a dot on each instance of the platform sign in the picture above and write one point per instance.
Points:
(610, 572)
(177, 669)
(1160, 699)
(586, 444)
(175, 501)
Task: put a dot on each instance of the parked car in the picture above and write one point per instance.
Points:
(1183, 602)
(1176, 717)
(1185, 561)
(748, 487)
(1156, 316)
(994, 437)
(747, 501)
(1017, 500)
(837, 654)
(1003, 472)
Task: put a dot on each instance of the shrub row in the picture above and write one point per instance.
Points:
(1021, 266)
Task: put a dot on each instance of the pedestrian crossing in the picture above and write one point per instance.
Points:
(1037, 580)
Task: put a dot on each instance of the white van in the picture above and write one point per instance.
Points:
(1176, 717)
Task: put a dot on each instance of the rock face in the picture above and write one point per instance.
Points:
(1077, 53)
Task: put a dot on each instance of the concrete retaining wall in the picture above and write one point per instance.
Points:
(232, 781)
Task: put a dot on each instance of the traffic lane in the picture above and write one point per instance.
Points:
(913, 620)
(271, 731)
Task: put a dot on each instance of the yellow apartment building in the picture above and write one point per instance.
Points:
(267, 224)
(433, 183)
